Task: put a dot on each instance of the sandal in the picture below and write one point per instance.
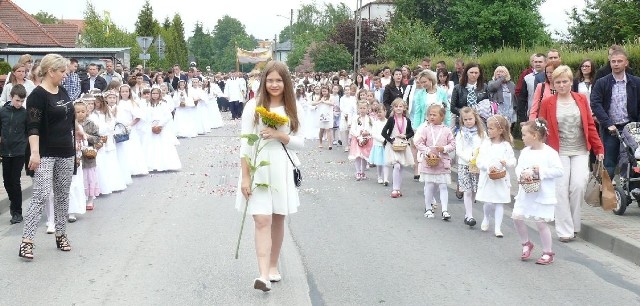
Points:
(547, 258)
(526, 253)
(26, 250)
(90, 206)
(395, 194)
(63, 243)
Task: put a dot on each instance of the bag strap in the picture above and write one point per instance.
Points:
(289, 156)
(540, 101)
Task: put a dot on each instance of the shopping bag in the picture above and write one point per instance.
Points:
(594, 186)
(608, 192)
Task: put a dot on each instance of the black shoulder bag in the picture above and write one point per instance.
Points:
(297, 176)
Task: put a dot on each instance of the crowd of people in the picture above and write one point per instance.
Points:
(80, 138)
(435, 120)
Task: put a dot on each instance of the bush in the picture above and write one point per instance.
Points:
(330, 56)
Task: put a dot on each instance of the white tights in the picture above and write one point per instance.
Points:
(498, 209)
(469, 197)
(543, 230)
(429, 190)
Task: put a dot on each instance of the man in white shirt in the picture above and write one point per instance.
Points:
(235, 89)
(528, 88)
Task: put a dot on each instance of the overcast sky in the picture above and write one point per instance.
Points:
(261, 20)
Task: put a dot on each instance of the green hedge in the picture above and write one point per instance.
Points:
(517, 60)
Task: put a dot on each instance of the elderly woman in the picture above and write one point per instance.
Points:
(50, 126)
(573, 134)
(503, 91)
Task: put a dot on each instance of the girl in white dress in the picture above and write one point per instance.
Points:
(347, 114)
(186, 117)
(495, 155)
(376, 157)
(203, 121)
(398, 128)
(213, 91)
(311, 116)
(76, 191)
(110, 178)
(130, 153)
(161, 153)
(111, 98)
(170, 128)
(269, 206)
(325, 116)
(468, 141)
(540, 161)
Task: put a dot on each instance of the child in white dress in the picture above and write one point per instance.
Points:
(335, 98)
(468, 142)
(161, 153)
(203, 122)
(325, 116)
(433, 141)
(110, 178)
(213, 92)
(495, 155)
(130, 153)
(361, 143)
(376, 157)
(536, 161)
(397, 130)
(347, 115)
(186, 116)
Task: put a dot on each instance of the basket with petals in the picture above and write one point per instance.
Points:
(432, 161)
(498, 174)
(530, 186)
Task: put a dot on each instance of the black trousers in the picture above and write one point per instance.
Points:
(11, 172)
(236, 111)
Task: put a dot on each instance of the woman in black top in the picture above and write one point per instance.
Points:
(471, 90)
(394, 90)
(50, 127)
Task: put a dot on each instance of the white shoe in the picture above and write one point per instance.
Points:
(261, 284)
(275, 278)
(485, 225)
(429, 214)
(72, 218)
(380, 181)
(51, 228)
(446, 215)
(499, 234)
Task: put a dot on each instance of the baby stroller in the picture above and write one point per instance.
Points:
(629, 187)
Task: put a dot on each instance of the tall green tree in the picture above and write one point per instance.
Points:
(604, 22)
(45, 18)
(373, 35)
(100, 32)
(407, 41)
(146, 25)
(201, 46)
(229, 33)
(177, 52)
(330, 56)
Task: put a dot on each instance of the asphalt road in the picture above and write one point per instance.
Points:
(170, 239)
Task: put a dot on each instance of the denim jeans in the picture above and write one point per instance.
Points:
(611, 150)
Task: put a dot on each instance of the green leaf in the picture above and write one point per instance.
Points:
(263, 163)
(262, 185)
(251, 138)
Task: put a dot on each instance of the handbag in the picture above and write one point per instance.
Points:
(594, 185)
(121, 133)
(297, 176)
(486, 108)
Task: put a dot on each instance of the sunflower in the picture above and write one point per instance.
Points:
(271, 119)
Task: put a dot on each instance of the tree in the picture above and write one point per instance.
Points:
(604, 22)
(177, 52)
(148, 26)
(100, 32)
(45, 18)
(229, 33)
(330, 56)
(407, 41)
(201, 46)
(373, 35)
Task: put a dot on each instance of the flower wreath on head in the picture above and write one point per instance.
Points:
(541, 125)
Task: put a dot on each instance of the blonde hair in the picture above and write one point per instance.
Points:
(562, 71)
(399, 101)
(429, 75)
(507, 75)
(468, 110)
(503, 124)
(52, 62)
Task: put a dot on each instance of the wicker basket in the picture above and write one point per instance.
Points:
(432, 161)
(473, 169)
(399, 145)
(498, 174)
(89, 153)
(531, 186)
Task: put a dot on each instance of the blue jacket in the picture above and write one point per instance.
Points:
(601, 99)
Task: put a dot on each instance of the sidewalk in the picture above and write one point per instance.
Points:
(25, 183)
(619, 235)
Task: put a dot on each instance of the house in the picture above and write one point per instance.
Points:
(282, 50)
(379, 9)
(19, 29)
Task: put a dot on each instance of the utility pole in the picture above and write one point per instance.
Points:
(358, 37)
(291, 30)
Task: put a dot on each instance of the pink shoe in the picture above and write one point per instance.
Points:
(395, 194)
(526, 253)
(546, 259)
(358, 176)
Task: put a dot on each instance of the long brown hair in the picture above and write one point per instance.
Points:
(104, 107)
(288, 94)
(12, 78)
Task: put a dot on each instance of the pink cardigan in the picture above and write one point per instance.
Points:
(424, 143)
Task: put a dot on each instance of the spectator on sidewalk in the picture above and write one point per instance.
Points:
(525, 94)
(72, 82)
(471, 89)
(569, 118)
(93, 81)
(605, 70)
(553, 56)
(543, 90)
(13, 145)
(615, 100)
(502, 90)
(109, 74)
